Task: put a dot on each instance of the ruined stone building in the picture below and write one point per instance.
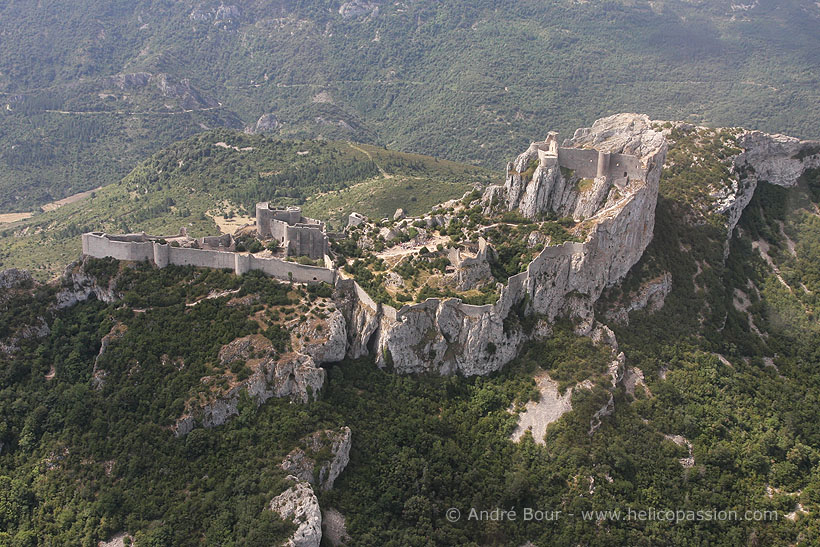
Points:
(300, 236)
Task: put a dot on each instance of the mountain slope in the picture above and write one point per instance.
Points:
(715, 412)
(468, 81)
(218, 177)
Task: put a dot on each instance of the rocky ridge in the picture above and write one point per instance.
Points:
(293, 374)
(776, 159)
(320, 457)
(318, 460)
(298, 504)
(447, 336)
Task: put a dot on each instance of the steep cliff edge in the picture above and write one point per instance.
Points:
(448, 336)
(718, 170)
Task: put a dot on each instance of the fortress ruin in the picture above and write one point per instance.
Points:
(614, 214)
(298, 235)
(590, 163)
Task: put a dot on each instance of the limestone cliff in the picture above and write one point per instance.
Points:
(77, 285)
(320, 457)
(294, 374)
(298, 504)
(776, 159)
(570, 185)
(447, 336)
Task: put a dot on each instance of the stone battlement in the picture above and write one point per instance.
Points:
(142, 247)
(589, 163)
(299, 235)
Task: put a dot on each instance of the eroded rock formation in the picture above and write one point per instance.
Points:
(776, 159)
(294, 374)
(447, 336)
(320, 457)
(298, 504)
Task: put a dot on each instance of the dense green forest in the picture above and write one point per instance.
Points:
(468, 81)
(80, 464)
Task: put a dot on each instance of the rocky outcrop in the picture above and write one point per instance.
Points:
(299, 505)
(168, 86)
(776, 159)
(15, 282)
(265, 123)
(334, 530)
(292, 375)
(447, 336)
(549, 407)
(358, 8)
(14, 278)
(324, 341)
(98, 374)
(320, 457)
(119, 540)
(650, 296)
(77, 286)
(220, 15)
(471, 271)
(536, 184)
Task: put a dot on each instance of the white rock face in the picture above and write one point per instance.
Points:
(14, 277)
(558, 189)
(299, 505)
(77, 286)
(550, 407)
(333, 527)
(266, 122)
(776, 159)
(296, 376)
(449, 337)
(302, 461)
(328, 345)
(98, 374)
(650, 295)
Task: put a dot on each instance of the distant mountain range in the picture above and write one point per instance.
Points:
(90, 89)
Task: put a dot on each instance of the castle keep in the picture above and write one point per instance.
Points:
(298, 235)
(590, 163)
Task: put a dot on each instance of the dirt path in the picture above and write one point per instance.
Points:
(366, 153)
(131, 113)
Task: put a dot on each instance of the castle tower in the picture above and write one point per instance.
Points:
(552, 143)
(162, 254)
(603, 163)
(242, 264)
(548, 151)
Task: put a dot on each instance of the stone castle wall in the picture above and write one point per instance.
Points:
(447, 336)
(299, 235)
(136, 247)
(585, 164)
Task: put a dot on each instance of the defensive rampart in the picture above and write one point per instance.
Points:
(589, 164)
(140, 247)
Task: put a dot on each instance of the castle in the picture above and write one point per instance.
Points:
(590, 163)
(298, 235)
(445, 334)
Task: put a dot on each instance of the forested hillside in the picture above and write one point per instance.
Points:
(90, 88)
(721, 416)
(219, 176)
